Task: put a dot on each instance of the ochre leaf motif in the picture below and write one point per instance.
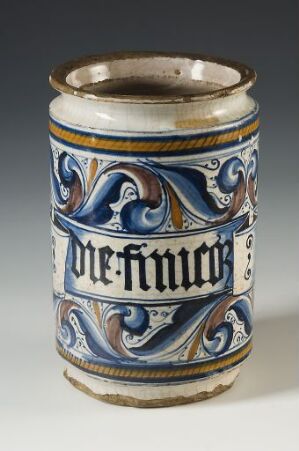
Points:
(97, 311)
(176, 213)
(92, 172)
(194, 347)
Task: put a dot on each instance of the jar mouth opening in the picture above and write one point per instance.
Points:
(151, 77)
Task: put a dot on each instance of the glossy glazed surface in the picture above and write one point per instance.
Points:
(154, 210)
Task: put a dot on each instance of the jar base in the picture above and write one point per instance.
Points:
(136, 395)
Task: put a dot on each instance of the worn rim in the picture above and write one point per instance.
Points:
(58, 78)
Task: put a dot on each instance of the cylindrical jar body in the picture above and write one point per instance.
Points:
(154, 209)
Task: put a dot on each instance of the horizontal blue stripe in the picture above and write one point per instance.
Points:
(159, 153)
(165, 367)
(146, 380)
(235, 126)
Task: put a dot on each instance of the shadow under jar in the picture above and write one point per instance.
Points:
(154, 203)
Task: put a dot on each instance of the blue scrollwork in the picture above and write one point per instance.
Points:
(126, 333)
(162, 193)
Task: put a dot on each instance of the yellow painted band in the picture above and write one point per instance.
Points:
(152, 146)
(156, 374)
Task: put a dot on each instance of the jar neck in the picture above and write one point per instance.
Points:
(150, 118)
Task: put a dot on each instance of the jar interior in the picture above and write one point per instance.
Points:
(153, 76)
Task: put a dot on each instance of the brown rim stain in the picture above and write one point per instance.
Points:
(58, 78)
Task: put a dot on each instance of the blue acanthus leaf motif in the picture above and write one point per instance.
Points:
(231, 174)
(219, 331)
(163, 193)
(69, 190)
(125, 333)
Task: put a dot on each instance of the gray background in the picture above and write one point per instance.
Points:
(34, 37)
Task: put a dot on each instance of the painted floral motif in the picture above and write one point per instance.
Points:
(142, 333)
(147, 197)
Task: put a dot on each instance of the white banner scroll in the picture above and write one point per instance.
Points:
(117, 267)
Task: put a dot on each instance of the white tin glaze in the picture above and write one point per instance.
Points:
(154, 204)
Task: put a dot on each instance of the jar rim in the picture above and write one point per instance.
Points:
(238, 77)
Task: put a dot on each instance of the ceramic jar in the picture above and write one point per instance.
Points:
(154, 201)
